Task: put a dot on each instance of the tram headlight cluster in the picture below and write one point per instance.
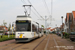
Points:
(17, 36)
(23, 36)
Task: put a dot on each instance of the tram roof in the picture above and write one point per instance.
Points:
(23, 17)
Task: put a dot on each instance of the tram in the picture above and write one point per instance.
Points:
(26, 29)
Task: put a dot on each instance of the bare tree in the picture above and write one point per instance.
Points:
(9, 27)
(4, 23)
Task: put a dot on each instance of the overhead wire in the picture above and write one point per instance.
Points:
(51, 11)
(26, 9)
(23, 1)
(35, 9)
(45, 4)
(51, 7)
(35, 13)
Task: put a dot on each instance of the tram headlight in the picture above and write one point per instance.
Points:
(23, 36)
(17, 36)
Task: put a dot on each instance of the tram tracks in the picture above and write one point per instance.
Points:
(50, 42)
(47, 43)
(10, 47)
(27, 45)
(7, 46)
(38, 44)
(56, 44)
(16, 46)
(41, 42)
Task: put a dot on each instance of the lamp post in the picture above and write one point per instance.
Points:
(62, 27)
(46, 25)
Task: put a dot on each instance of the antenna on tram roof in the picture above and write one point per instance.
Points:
(27, 12)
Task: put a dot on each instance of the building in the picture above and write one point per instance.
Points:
(62, 27)
(3, 29)
(70, 22)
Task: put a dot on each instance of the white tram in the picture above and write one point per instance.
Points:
(26, 30)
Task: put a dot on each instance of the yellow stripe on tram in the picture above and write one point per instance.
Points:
(20, 35)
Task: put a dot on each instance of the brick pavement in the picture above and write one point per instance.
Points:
(6, 42)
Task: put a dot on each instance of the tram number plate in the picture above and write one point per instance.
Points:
(20, 35)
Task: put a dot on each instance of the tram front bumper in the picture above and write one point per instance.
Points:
(23, 39)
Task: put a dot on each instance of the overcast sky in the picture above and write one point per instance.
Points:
(9, 9)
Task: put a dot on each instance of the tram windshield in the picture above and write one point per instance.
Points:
(23, 26)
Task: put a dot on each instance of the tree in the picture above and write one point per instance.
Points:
(9, 27)
(4, 23)
(42, 26)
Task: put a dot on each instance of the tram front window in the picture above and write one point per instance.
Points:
(23, 27)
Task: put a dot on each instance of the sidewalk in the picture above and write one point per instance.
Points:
(7, 42)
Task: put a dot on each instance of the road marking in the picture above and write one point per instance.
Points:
(56, 44)
(47, 44)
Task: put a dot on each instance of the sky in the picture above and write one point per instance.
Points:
(10, 9)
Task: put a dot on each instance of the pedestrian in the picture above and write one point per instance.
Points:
(63, 33)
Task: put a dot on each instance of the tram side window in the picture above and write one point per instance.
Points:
(29, 27)
(34, 28)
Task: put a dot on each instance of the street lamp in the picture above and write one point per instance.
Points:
(62, 27)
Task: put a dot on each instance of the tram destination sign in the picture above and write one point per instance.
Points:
(22, 21)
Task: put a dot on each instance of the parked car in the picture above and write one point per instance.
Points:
(59, 33)
(72, 36)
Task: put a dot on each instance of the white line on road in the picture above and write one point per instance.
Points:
(56, 44)
(47, 44)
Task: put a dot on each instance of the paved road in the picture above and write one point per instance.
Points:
(7, 42)
(50, 42)
(54, 42)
